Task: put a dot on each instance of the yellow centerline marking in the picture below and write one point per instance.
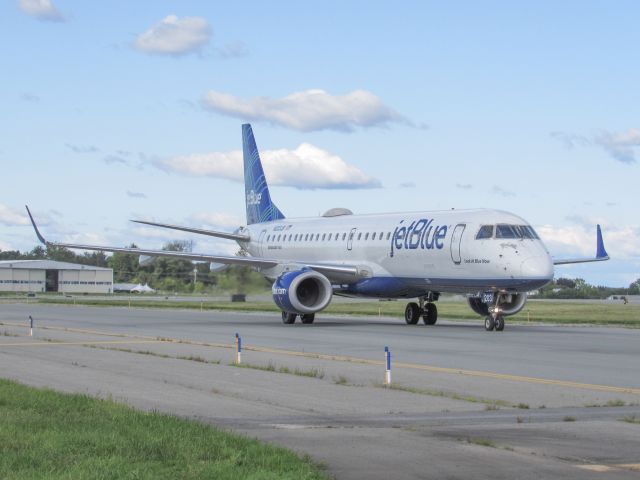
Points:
(346, 358)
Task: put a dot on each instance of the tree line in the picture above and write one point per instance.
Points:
(162, 273)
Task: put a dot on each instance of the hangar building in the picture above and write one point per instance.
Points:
(50, 276)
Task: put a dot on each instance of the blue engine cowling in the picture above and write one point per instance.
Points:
(302, 291)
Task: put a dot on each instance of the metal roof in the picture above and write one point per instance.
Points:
(47, 265)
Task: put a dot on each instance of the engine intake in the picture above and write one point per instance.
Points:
(302, 291)
(508, 303)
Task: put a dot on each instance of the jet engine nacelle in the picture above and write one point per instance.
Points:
(302, 291)
(508, 303)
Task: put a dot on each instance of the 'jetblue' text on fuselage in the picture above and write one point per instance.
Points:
(418, 234)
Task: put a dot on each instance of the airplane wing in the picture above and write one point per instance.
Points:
(331, 270)
(229, 236)
(601, 253)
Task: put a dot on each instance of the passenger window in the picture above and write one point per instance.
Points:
(323, 236)
(380, 236)
(359, 235)
(317, 237)
(278, 237)
(366, 236)
(388, 235)
(295, 238)
(329, 237)
(289, 237)
(373, 236)
(306, 237)
(344, 236)
(486, 231)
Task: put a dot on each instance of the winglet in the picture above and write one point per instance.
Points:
(40, 237)
(600, 251)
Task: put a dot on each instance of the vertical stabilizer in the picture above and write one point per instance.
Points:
(260, 208)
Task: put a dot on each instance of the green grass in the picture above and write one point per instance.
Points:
(483, 442)
(341, 380)
(611, 403)
(270, 367)
(493, 404)
(631, 419)
(44, 434)
(551, 311)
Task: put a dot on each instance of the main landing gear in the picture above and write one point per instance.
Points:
(289, 318)
(494, 321)
(428, 311)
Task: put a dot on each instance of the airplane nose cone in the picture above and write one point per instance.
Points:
(537, 267)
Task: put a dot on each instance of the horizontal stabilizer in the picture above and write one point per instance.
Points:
(212, 233)
(601, 253)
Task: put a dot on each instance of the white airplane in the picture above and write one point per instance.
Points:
(493, 257)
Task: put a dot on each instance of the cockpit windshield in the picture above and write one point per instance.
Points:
(504, 230)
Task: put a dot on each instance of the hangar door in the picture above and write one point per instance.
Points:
(51, 281)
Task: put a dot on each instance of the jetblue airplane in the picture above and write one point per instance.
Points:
(491, 256)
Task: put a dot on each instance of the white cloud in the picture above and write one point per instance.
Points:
(306, 167)
(308, 110)
(620, 145)
(216, 220)
(580, 240)
(82, 148)
(41, 9)
(570, 140)
(135, 194)
(496, 190)
(175, 36)
(5, 247)
(11, 217)
(233, 50)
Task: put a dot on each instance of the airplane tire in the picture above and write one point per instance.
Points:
(288, 318)
(308, 318)
(489, 323)
(412, 313)
(499, 323)
(430, 316)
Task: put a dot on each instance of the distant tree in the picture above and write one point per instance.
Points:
(38, 253)
(634, 288)
(124, 265)
(61, 254)
(566, 282)
(11, 255)
(96, 259)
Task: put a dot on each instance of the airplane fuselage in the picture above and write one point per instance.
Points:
(410, 254)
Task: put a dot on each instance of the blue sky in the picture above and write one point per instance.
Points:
(120, 110)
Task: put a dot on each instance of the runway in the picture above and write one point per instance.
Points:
(530, 402)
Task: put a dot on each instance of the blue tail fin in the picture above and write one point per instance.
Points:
(260, 208)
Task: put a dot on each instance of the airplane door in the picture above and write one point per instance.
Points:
(261, 242)
(456, 241)
(352, 234)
